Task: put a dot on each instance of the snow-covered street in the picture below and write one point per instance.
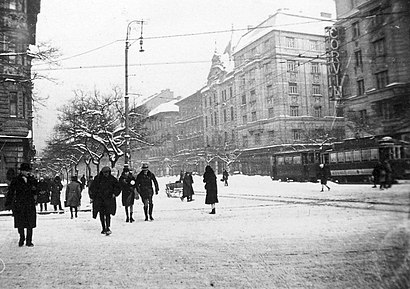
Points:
(265, 234)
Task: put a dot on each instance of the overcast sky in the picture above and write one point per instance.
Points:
(180, 38)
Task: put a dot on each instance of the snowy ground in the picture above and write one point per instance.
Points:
(265, 234)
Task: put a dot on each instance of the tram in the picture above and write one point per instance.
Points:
(350, 161)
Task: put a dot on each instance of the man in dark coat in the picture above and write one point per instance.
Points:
(103, 191)
(21, 199)
(324, 175)
(225, 176)
(127, 183)
(144, 187)
(211, 188)
(187, 189)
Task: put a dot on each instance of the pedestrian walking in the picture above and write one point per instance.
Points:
(102, 192)
(90, 180)
(56, 186)
(225, 176)
(324, 175)
(389, 174)
(43, 193)
(382, 177)
(187, 189)
(21, 199)
(127, 183)
(211, 188)
(83, 182)
(73, 196)
(376, 174)
(145, 180)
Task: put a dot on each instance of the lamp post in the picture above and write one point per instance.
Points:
(126, 104)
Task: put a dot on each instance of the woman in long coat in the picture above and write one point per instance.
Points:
(127, 183)
(103, 191)
(187, 189)
(73, 195)
(21, 199)
(211, 188)
(56, 187)
(43, 193)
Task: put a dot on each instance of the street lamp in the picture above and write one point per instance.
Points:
(127, 46)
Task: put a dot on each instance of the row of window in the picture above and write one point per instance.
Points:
(382, 80)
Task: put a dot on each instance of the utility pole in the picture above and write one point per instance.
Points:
(126, 105)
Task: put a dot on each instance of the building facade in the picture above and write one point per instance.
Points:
(17, 32)
(281, 89)
(374, 41)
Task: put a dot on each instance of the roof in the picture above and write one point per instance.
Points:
(285, 21)
(165, 107)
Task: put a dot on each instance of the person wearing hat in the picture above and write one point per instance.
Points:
(127, 183)
(21, 199)
(102, 192)
(144, 187)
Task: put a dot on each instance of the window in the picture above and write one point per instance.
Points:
(341, 157)
(223, 95)
(318, 111)
(293, 87)
(253, 114)
(290, 42)
(225, 118)
(271, 112)
(253, 94)
(210, 100)
(296, 134)
(271, 135)
(315, 67)
(358, 57)
(232, 115)
(245, 141)
(360, 87)
(212, 120)
(382, 79)
(258, 140)
(314, 45)
(244, 119)
(294, 110)
(4, 43)
(12, 4)
(226, 137)
(13, 104)
(233, 136)
(206, 121)
(363, 115)
(230, 92)
(380, 47)
(215, 99)
(216, 118)
(266, 45)
(316, 89)
(291, 65)
(243, 98)
(355, 30)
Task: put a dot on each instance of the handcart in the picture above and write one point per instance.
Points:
(174, 190)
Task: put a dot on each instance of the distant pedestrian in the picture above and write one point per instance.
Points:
(83, 182)
(389, 174)
(382, 177)
(324, 175)
(21, 199)
(43, 193)
(145, 180)
(376, 174)
(181, 177)
(56, 186)
(225, 176)
(187, 189)
(127, 183)
(90, 180)
(103, 191)
(211, 188)
(73, 196)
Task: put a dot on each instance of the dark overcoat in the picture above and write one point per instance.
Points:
(43, 191)
(21, 199)
(101, 192)
(324, 174)
(127, 183)
(73, 194)
(210, 187)
(187, 189)
(144, 184)
(56, 187)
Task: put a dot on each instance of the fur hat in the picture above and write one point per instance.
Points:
(144, 166)
(25, 167)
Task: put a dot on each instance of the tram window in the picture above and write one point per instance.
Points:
(349, 156)
(288, 160)
(366, 155)
(279, 160)
(311, 158)
(374, 154)
(297, 160)
(333, 157)
(397, 152)
(357, 156)
(341, 157)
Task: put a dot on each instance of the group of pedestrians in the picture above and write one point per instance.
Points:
(382, 175)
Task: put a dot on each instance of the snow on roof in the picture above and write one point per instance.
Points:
(285, 21)
(165, 107)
